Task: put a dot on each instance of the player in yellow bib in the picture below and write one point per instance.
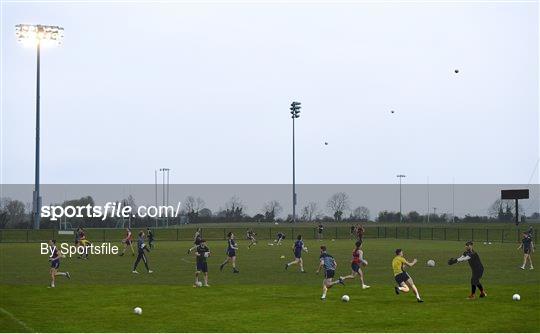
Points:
(403, 279)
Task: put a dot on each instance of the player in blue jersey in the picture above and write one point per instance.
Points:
(54, 258)
(141, 247)
(298, 247)
(231, 253)
(329, 265)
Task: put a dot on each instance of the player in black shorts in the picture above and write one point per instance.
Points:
(232, 247)
(196, 240)
(528, 247)
(201, 254)
(320, 230)
(477, 269)
(54, 258)
(279, 238)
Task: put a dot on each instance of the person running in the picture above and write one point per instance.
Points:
(231, 253)
(83, 241)
(280, 236)
(360, 233)
(357, 261)
(329, 265)
(298, 247)
(128, 241)
(403, 280)
(250, 235)
(528, 247)
(54, 259)
(201, 253)
(196, 240)
(141, 247)
(320, 230)
(477, 269)
(150, 236)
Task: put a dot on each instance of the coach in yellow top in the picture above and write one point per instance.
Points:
(403, 279)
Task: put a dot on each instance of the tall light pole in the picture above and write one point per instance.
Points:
(156, 191)
(166, 198)
(295, 113)
(400, 176)
(37, 35)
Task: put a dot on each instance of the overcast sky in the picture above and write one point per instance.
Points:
(204, 89)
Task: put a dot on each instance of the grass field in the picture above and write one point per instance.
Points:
(264, 297)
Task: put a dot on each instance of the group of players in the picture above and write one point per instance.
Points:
(327, 263)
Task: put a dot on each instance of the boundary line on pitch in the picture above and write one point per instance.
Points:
(20, 322)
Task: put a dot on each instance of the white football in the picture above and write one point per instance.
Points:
(431, 263)
(345, 298)
(137, 311)
(198, 284)
(516, 297)
(206, 254)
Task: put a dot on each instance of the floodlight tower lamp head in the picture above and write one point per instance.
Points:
(37, 34)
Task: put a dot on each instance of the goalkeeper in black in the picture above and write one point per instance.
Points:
(476, 267)
(141, 247)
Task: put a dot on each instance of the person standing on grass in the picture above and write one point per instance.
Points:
(357, 261)
(329, 265)
(54, 258)
(202, 253)
(320, 230)
(231, 253)
(128, 241)
(150, 236)
(360, 233)
(403, 280)
(528, 248)
(141, 247)
(298, 247)
(477, 269)
(196, 240)
(352, 232)
(250, 235)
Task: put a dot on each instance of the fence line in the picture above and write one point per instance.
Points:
(269, 233)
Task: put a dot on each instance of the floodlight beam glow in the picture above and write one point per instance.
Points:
(33, 34)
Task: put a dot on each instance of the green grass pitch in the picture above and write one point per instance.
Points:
(264, 297)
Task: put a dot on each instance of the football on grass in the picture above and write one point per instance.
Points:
(431, 263)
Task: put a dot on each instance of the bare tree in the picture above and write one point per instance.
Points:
(338, 203)
(272, 209)
(309, 211)
(12, 212)
(192, 205)
(361, 213)
(503, 209)
(234, 208)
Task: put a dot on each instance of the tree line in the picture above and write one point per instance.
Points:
(338, 208)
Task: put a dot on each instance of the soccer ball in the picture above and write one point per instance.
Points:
(282, 257)
(345, 298)
(516, 297)
(198, 284)
(431, 263)
(137, 311)
(206, 254)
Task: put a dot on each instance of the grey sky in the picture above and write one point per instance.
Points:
(204, 89)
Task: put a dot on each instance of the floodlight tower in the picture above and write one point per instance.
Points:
(295, 113)
(36, 35)
(400, 176)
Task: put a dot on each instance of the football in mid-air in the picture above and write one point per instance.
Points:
(137, 311)
(325, 143)
(456, 71)
(431, 263)
(345, 298)
(516, 297)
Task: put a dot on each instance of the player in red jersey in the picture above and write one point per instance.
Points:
(357, 261)
(128, 241)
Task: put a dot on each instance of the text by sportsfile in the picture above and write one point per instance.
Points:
(106, 248)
